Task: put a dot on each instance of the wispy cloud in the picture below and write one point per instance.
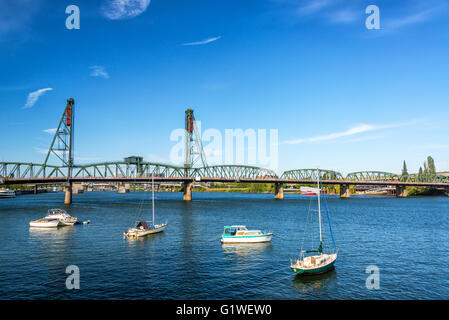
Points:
(34, 96)
(16, 16)
(313, 6)
(124, 9)
(350, 132)
(99, 71)
(51, 131)
(205, 41)
(346, 15)
(431, 9)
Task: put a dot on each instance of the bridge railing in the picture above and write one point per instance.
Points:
(311, 174)
(425, 178)
(372, 176)
(234, 172)
(31, 170)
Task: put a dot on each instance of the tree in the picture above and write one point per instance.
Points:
(404, 169)
(431, 165)
(426, 170)
(420, 171)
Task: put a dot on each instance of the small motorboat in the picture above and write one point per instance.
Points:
(143, 229)
(240, 234)
(64, 218)
(6, 193)
(45, 223)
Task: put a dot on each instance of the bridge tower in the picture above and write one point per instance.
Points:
(62, 146)
(194, 152)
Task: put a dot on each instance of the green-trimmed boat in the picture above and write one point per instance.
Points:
(311, 262)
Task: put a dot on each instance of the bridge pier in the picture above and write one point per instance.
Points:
(345, 193)
(187, 189)
(447, 192)
(124, 188)
(401, 192)
(279, 191)
(77, 188)
(35, 189)
(68, 193)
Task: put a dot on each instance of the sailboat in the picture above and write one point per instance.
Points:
(311, 262)
(142, 228)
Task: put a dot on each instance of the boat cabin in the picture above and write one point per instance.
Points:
(233, 230)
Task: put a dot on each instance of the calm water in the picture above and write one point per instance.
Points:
(407, 239)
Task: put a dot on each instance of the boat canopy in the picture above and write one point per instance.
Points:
(142, 224)
(56, 211)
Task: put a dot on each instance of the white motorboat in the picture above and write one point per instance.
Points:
(240, 234)
(64, 218)
(45, 223)
(6, 193)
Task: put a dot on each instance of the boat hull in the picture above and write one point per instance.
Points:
(300, 269)
(44, 224)
(315, 271)
(144, 233)
(247, 239)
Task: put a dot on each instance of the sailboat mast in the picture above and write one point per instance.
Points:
(319, 202)
(152, 189)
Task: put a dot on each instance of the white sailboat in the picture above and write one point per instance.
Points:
(142, 228)
(316, 261)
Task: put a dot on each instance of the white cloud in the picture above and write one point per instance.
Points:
(99, 71)
(34, 96)
(351, 131)
(314, 6)
(124, 9)
(420, 16)
(205, 41)
(344, 16)
(51, 131)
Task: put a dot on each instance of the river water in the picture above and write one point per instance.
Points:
(407, 239)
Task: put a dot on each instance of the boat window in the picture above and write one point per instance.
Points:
(233, 231)
(226, 231)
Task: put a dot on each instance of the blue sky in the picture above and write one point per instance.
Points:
(342, 97)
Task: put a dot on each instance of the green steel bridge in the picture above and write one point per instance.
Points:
(136, 170)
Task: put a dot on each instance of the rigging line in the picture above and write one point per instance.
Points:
(305, 227)
(328, 219)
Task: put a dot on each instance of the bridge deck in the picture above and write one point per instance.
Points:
(10, 181)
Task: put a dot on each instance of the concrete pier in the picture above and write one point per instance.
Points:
(447, 192)
(345, 193)
(124, 188)
(187, 189)
(401, 192)
(68, 193)
(279, 191)
(77, 188)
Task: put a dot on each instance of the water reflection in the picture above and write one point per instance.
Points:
(244, 249)
(51, 233)
(316, 284)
